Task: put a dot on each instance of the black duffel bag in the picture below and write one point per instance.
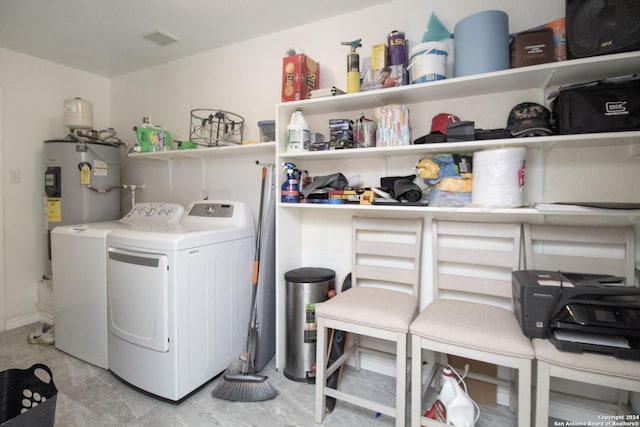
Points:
(610, 105)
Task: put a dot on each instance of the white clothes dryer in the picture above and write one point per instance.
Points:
(179, 297)
(79, 280)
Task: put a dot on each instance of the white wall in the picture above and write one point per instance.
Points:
(245, 79)
(34, 91)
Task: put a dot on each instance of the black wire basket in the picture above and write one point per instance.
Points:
(214, 128)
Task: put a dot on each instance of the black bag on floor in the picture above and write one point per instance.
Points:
(610, 105)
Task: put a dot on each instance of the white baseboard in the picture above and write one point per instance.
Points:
(45, 313)
(378, 365)
(20, 321)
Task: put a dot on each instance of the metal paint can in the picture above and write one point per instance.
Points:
(397, 47)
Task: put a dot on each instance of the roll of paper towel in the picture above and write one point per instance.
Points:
(481, 43)
(498, 177)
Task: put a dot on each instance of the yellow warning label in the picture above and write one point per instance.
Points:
(85, 175)
(54, 209)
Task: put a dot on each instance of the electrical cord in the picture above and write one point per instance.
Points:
(464, 387)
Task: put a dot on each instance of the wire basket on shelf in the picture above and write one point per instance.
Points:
(214, 128)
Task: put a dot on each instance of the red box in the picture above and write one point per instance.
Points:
(300, 75)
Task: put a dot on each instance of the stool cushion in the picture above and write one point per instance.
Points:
(374, 307)
(589, 362)
(474, 325)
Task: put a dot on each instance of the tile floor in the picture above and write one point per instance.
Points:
(91, 396)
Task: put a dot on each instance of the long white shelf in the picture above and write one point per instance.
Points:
(562, 210)
(539, 76)
(198, 153)
(546, 142)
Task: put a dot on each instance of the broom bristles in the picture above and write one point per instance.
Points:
(245, 388)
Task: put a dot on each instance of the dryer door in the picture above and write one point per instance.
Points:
(138, 286)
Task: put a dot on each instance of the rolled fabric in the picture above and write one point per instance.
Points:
(337, 181)
(498, 177)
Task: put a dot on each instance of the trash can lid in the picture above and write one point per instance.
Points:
(309, 275)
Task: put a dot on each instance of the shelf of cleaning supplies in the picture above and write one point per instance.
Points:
(199, 153)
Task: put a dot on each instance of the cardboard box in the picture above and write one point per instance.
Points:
(319, 146)
(559, 38)
(532, 48)
(362, 197)
(390, 76)
(483, 393)
(558, 26)
(378, 56)
(300, 75)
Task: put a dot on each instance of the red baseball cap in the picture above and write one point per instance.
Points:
(440, 122)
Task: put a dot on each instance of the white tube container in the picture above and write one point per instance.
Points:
(78, 113)
(428, 62)
(498, 177)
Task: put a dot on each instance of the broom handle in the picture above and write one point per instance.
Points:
(256, 270)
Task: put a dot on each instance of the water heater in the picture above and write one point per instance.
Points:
(81, 184)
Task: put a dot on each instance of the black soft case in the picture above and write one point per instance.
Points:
(604, 106)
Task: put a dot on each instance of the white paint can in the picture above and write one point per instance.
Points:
(428, 62)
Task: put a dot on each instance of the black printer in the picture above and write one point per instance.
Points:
(579, 312)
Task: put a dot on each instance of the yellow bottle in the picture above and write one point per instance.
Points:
(353, 66)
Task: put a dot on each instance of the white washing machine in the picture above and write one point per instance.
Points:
(179, 297)
(79, 267)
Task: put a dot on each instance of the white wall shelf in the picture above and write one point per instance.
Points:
(314, 234)
(519, 214)
(545, 76)
(546, 142)
(198, 153)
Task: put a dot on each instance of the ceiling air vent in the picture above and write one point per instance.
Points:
(161, 38)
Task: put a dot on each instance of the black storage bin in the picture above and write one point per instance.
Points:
(611, 105)
(26, 400)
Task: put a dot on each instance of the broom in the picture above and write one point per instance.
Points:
(246, 386)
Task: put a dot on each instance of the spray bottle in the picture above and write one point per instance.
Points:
(290, 192)
(353, 66)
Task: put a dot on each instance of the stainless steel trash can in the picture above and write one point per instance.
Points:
(304, 288)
